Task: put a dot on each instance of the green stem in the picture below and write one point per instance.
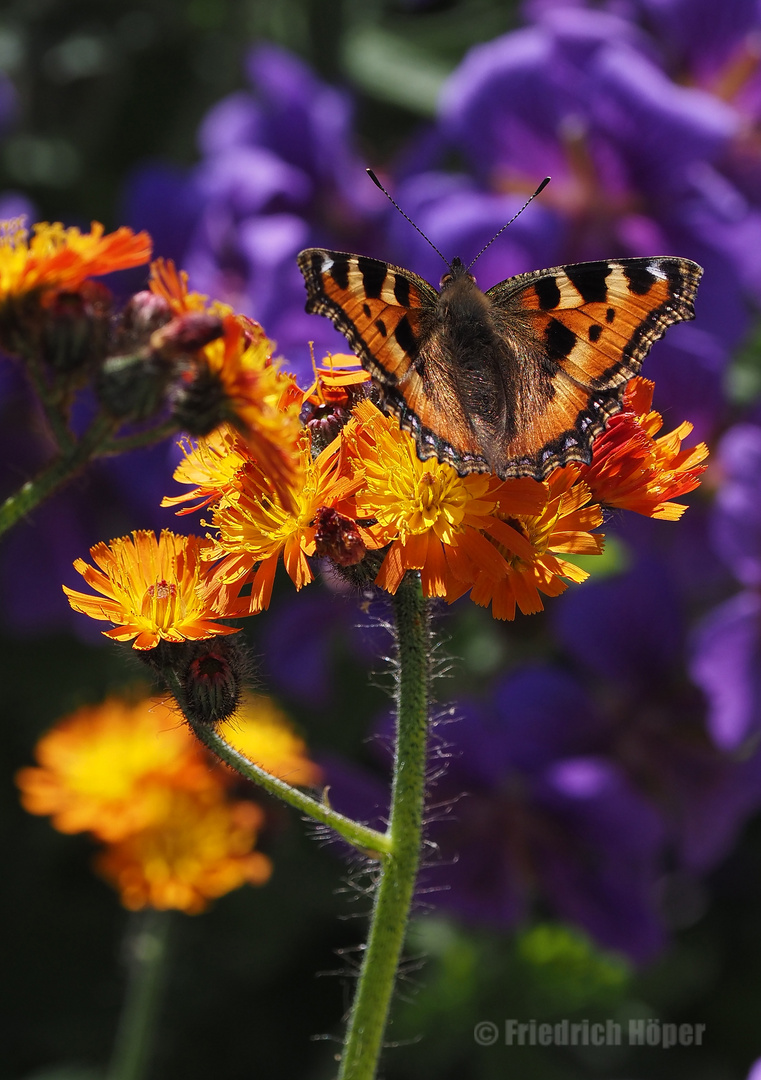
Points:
(370, 841)
(133, 1046)
(367, 1022)
(56, 474)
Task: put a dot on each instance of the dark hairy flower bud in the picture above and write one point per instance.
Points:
(132, 387)
(212, 674)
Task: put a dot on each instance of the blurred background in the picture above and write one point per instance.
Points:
(596, 842)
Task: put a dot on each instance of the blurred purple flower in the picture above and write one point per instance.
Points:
(277, 174)
(629, 633)
(736, 524)
(726, 665)
(726, 647)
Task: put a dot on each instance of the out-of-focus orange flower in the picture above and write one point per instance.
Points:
(109, 768)
(199, 851)
(134, 776)
(55, 259)
(152, 589)
(262, 732)
(632, 470)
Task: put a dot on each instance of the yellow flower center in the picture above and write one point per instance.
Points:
(419, 496)
(159, 604)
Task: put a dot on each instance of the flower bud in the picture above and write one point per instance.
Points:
(75, 328)
(337, 537)
(212, 674)
(132, 387)
(197, 398)
(323, 422)
(144, 313)
(186, 334)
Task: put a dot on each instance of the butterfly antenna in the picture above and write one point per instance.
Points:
(378, 184)
(538, 191)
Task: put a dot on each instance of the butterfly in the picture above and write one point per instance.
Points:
(517, 380)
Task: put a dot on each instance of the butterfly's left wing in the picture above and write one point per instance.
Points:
(580, 332)
(382, 310)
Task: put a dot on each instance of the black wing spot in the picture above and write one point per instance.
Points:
(547, 293)
(640, 278)
(339, 271)
(401, 290)
(594, 332)
(366, 311)
(589, 280)
(610, 314)
(373, 275)
(381, 327)
(405, 337)
(559, 341)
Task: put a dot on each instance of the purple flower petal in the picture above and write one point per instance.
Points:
(726, 665)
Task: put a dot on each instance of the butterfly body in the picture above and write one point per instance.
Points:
(516, 380)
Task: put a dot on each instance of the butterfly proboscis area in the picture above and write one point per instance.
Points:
(517, 380)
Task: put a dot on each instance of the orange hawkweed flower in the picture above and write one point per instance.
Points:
(255, 527)
(55, 259)
(211, 464)
(134, 776)
(531, 547)
(431, 517)
(153, 589)
(633, 470)
(197, 853)
(261, 400)
(107, 768)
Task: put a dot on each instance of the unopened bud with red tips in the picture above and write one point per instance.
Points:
(337, 537)
(323, 422)
(144, 313)
(207, 677)
(186, 334)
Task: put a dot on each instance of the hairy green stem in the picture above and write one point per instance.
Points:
(367, 1022)
(131, 1058)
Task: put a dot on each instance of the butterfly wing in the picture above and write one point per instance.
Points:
(578, 334)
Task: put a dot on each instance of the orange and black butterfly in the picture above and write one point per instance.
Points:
(516, 380)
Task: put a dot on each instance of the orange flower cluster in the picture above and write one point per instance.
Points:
(257, 398)
(55, 259)
(354, 485)
(133, 775)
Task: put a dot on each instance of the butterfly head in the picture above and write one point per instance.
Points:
(458, 271)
